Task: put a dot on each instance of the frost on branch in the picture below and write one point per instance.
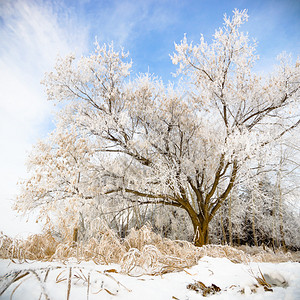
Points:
(147, 143)
(60, 185)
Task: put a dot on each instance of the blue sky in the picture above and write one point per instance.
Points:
(148, 29)
(34, 32)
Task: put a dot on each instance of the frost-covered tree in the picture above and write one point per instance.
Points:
(61, 179)
(184, 146)
(263, 208)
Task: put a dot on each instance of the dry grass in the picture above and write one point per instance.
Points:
(143, 251)
(231, 253)
(35, 247)
(264, 254)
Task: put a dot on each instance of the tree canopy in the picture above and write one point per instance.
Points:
(185, 145)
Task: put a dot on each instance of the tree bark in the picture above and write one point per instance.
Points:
(201, 235)
(75, 234)
(224, 242)
(253, 223)
(201, 229)
(230, 222)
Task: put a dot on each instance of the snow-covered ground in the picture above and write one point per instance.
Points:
(236, 281)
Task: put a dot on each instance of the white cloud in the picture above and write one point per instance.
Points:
(32, 35)
(124, 21)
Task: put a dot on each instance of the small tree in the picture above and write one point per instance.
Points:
(184, 147)
(60, 183)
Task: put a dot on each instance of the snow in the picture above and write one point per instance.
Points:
(107, 281)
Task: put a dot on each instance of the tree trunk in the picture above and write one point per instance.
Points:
(75, 234)
(224, 241)
(200, 229)
(230, 223)
(201, 236)
(282, 238)
(207, 209)
(274, 227)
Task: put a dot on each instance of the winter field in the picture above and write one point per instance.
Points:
(143, 266)
(223, 280)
